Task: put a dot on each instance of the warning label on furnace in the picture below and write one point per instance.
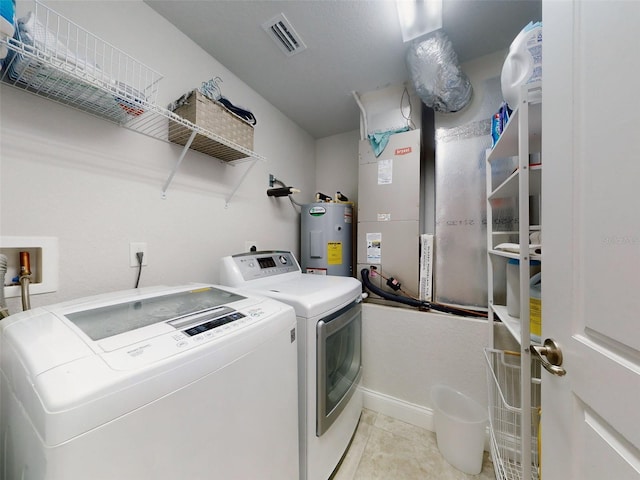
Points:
(374, 248)
(334, 253)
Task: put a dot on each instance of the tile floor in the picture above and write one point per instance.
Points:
(386, 448)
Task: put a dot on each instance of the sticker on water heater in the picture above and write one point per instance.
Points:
(374, 248)
(334, 253)
(317, 211)
(348, 215)
(385, 172)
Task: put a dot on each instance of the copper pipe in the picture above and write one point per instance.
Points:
(25, 279)
(25, 264)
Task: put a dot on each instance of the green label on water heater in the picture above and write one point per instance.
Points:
(317, 211)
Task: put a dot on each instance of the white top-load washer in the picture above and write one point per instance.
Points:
(328, 309)
(193, 382)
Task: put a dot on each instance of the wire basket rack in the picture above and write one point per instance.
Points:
(51, 56)
(506, 419)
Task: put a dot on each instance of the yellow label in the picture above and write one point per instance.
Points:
(198, 290)
(334, 253)
(535, 316)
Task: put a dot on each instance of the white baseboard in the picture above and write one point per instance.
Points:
(402, 410)
(399, 409)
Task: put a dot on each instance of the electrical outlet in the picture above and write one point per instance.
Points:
(249, 244)
(135, 247)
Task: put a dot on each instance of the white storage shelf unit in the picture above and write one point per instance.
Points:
(524, 182)
(52, 57)
(514, 392)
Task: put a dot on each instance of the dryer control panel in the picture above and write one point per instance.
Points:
(258, 265)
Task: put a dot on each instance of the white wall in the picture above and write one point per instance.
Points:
(406, 352)
(96, 186)
(337, 164)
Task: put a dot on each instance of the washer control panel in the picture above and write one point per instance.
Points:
(188, 333)
(214, 323)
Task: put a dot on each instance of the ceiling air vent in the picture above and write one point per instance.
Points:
(284, 35)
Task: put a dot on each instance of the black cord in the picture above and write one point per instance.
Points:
(139, 256)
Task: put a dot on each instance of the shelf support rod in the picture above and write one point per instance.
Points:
(175, 168)
(524, 262)
(235, 189)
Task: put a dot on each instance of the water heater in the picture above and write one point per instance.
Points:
(326, 239)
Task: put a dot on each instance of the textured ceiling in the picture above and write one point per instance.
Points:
(351, 45)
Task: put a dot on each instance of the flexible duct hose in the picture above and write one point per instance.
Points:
(412, 302)
(437, 76)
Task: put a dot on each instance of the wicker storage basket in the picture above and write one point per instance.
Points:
(213, 117)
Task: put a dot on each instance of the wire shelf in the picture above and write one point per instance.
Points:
(505, 414)
(52, 57)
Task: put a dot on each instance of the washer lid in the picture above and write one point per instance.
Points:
(110, 320)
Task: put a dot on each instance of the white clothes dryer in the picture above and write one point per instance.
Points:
(328, 310)
(194, 382)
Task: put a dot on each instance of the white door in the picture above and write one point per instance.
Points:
(591, 239)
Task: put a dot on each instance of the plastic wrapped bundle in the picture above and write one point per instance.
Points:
(436, 74)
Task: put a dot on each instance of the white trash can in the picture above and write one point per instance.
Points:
(460, 428)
